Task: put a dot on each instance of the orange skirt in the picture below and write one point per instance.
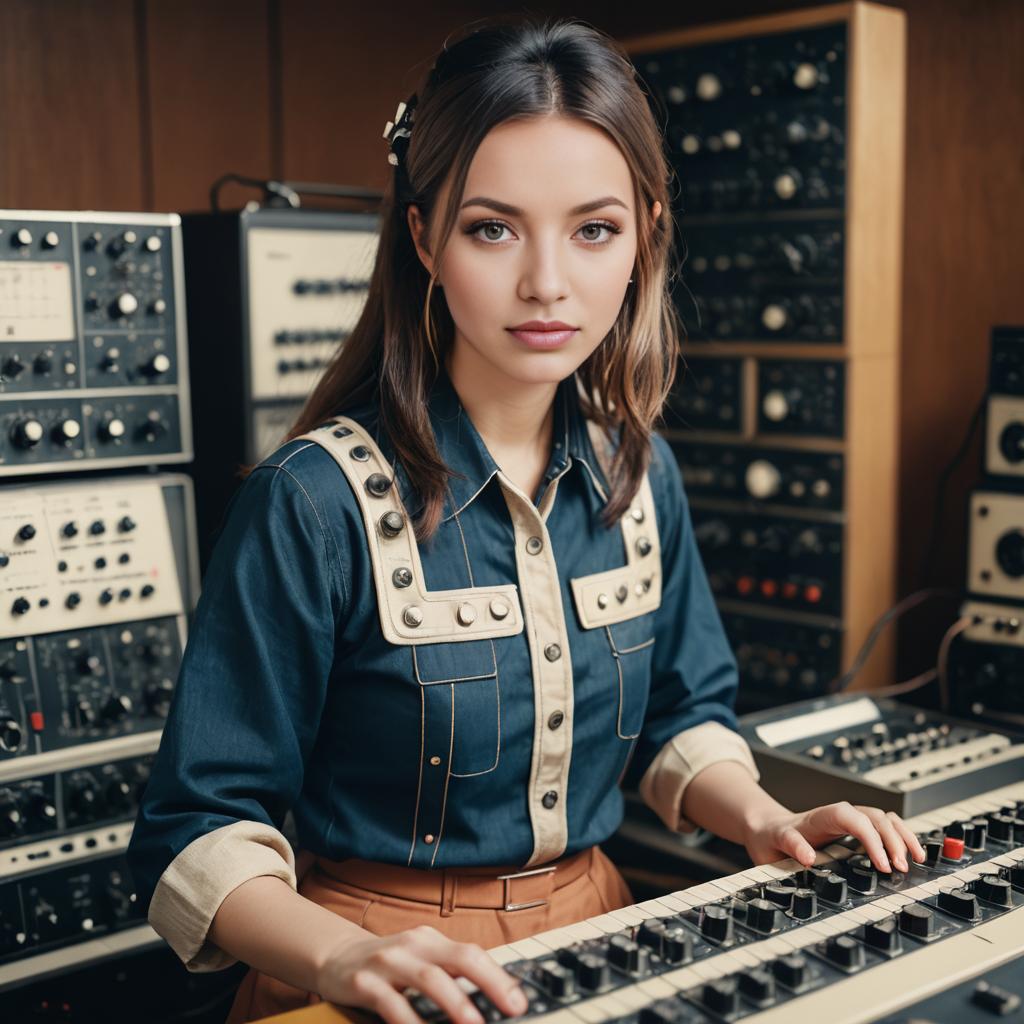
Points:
(466, 904)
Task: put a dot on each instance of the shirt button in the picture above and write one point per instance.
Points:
(552, 652)
(555, 719)
(549, 799)
(534, 545)
(435, 760)
(428, 839)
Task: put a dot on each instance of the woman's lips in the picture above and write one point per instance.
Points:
(544, 339)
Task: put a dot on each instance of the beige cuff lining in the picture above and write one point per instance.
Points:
(198, 880)
(682, 758)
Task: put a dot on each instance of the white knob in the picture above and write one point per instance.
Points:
(690, 145)
(126, 304)
(159, 307)
(709, 86)
(821, 488)
(732, 138)
(51, 239)
(153, 243)
(763, 479)
(785, 186)
(69, 429)
(775, 406)
(115, 428)
(160, 363)
(805, 76)
(774, 317)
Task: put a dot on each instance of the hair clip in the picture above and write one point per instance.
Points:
(400, 128)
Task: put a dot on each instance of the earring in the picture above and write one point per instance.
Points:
(631, 280)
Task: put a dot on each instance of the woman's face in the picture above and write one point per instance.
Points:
(525, 249)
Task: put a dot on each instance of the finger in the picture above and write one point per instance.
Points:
(373, 993)
(436, 983)
(894, 844)
(792, 842)
(848, 819)
(470, 961)
(913, 843)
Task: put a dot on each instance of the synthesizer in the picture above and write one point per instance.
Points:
(781, 943)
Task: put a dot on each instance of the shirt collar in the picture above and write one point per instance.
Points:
(462, 449)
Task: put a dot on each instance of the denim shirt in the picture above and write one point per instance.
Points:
(432, 755)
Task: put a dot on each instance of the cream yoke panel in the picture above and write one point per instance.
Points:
(409, 613)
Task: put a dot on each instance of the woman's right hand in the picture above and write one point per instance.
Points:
(372, 973)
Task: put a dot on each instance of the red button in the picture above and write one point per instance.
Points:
(769, 588)
(745, 584)
(812, 594)
(952, 849)
(790, 590)
(36, 718)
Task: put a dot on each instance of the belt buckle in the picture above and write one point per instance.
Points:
(507, 879)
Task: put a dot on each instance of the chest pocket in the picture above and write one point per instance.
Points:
(621, 601)
(462, 698)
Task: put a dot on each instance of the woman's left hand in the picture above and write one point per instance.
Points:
(884, 835)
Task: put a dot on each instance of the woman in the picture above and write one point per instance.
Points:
(464, 602)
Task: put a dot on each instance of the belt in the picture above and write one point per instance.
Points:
(483, 888)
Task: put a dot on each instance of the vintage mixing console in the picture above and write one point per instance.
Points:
(780, 944)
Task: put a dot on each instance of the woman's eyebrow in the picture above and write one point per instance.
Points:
(514, 211)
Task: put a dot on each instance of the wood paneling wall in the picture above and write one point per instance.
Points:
(115, 104)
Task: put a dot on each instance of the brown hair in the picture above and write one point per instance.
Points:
(494, 73)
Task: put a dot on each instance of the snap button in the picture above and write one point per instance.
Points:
(555, 719)
(549, 799)
(552, 652)
(360, 454)
(402, 577)
(534, 545)
(498, 609)
(435, 760)
(378, 484)
(466, 614)
(412, 616)
(622, 593)
(342, 432)
(643, 547)
(646, 583)
(391, 524)
(428, 839)
(637, 514)
(638, 589)
(602, 600)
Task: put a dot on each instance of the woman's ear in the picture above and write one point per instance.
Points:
(655, 213)
(417, 228)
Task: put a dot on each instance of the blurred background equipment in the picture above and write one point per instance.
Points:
(784, 415)
(272, 294)
(93, 356)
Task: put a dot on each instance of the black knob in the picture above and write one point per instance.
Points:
(69, 530)
(626, 955)
(932, 851)
(41, 810)
(591, 969)
(126, 524)
(677, 947)
(89, 664)
(146, 590)
(757, 985)
(716, 924)
(845, 951)
(1010, 553)
(665, 1011)
(883, 935)
(152, 429)
(27, 532)
(106, 596)
(780, 893)
(10, 735)
(1015, 875)
(27, 433)
(557, 981)
(73, 600)
(158, 697)
(721, 996)
(960, 903)
(84, 797)
(761, 916)
(85, 712)
(1000, 827)
(805, 904)
(117, 707)
(994, 889)
(791, 970)
(20, 606)
(977, 833)
(917, 920)
(117, 795)
(11, 821)
(43, 363)
(995, 1000)
(861, 874)
(831, 887)
(12, 367)
(156, 365)
(97, 527)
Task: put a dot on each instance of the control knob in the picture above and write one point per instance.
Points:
(763, 480)
(960, 903)
(757, 985)
(761, 916)
(883, 935)
(41, 809)
(28, 433)
(21, 238)
(89, 664)
(116, 707)
(43, 362)
(10, 735)
(917, 920)
(117, 795)
(627, 955)
(11, 821)
(112, 429)
(156, 365)
(716, 924)
(845, 951)
(66, 431)
(84, 796)
(775, 406)
(557, 981)
(994, 889)
(791, 970)
(721, 996)
(12, 367)
(124, 305)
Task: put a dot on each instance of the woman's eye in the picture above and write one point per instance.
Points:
(490, 232)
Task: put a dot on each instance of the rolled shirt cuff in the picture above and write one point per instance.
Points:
(684, 756)
(198, 880)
